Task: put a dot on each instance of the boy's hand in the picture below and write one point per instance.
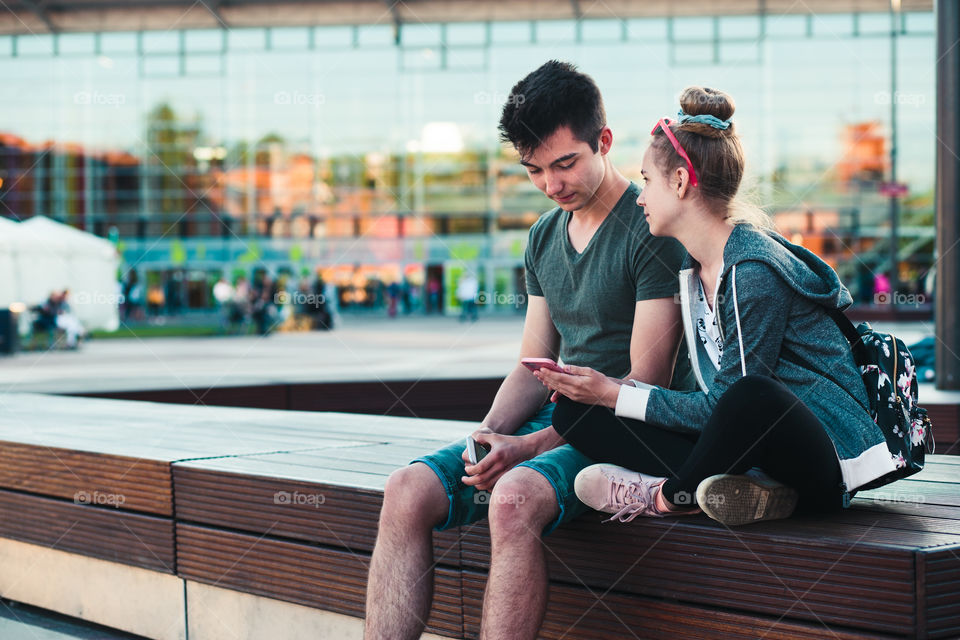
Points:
(506, 452)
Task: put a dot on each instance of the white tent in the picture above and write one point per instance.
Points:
(50, 256)
(9, 278)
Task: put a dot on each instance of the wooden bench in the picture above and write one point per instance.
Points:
(282, 506)
(460, 399)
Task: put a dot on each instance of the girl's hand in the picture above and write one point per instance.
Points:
(582, 384)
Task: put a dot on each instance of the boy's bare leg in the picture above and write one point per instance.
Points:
(522, 503)
(400, 583)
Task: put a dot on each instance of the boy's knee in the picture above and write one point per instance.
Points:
(522, 502)
(413, 497)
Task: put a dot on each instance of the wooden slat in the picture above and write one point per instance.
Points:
(946, 426)
(841, 581)
(575, 612)
(315, 576)
(939, 603)
(919, 491)
(113, 447)
(143, 484)
(167, 432)
(335, 515)
(99, 532)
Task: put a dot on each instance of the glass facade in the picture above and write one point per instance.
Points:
(374, 155)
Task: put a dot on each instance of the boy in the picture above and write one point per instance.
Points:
(596, 281)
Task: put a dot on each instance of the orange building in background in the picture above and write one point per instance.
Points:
(864, 153)
(816, 231)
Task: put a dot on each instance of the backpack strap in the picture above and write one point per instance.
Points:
(850, 332)
(857, 348)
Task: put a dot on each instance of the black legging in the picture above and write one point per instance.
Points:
(758, 422)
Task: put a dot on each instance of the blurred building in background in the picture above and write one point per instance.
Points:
(359, 139)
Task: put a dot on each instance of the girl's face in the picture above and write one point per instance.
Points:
(659, 197)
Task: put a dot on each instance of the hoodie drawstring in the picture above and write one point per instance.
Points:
(736, 311)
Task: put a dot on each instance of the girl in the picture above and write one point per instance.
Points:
(780, 417)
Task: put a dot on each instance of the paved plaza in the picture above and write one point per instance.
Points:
(22, 622)
(363, 348)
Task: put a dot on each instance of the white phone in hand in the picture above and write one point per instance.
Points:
(475, 450)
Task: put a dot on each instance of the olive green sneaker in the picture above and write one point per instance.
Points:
(735, 499)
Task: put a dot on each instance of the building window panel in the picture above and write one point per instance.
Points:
(740, 28)
(203, 65)
(421, 35)
(119, 42)
(556, 32)
(648, 29)
(601, 31)
(333, 37)
(423, 58)
(921, 23)
(293, 38)
(832, 26)
(467, 58)
(470, 33)
(694, 54)
(510, 32)
(76, 43)
(740, 52)
(873, 23)
(161, 41)
(160, 66)
(246, 39)
(377, 35)
(35, 45)
(779, 26)
(204, 40)
(693, 29)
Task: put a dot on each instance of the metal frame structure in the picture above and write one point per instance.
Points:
(61, 16)
(948, 196)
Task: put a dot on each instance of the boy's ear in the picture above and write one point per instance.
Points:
(606, 140)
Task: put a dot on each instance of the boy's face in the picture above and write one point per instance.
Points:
(566, 169)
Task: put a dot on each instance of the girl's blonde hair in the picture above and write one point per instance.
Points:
(716, 154)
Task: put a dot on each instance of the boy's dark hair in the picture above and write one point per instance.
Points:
(553, 96)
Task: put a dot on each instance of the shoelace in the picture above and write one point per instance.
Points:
(641, 500)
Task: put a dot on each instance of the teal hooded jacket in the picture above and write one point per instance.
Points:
(772, 307)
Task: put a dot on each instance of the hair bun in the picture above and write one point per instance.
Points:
(697, 101)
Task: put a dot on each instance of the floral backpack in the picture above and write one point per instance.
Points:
(890, 376)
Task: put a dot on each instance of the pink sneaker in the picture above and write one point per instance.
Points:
(624, 493)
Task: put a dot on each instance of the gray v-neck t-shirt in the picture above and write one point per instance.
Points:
(592, 294)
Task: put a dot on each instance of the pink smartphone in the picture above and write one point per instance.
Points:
(535, 364)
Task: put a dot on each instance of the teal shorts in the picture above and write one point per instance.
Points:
(559, 466)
